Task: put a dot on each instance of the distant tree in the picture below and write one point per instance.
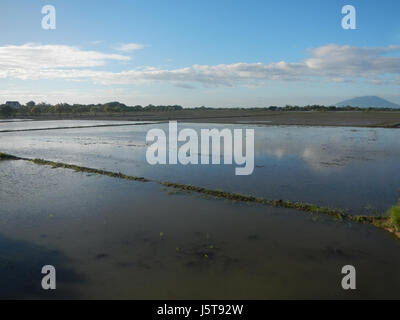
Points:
(62, 108)
(24, 110)
(30, 104)
(6, 110)
(36, 110)
(93, 110)
(136, 108)
(57, 109)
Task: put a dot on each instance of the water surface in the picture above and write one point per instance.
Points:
(17, 125)
(354, 169)
(109, 238)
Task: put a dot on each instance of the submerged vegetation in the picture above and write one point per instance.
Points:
(389, 222)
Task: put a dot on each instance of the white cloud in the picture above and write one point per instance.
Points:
(37, 56)
(129, 47)
(331, 63)
(74, 95)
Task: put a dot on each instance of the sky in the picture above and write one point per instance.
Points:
(216, 53)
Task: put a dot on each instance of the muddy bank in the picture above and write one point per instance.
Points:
(373, 119)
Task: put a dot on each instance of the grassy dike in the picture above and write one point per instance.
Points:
(389, 222)
(4, 156)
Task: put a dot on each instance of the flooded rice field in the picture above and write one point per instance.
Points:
(354, 169)
(112, 238)
(26, 125)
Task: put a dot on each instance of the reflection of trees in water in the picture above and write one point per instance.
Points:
(20, 267)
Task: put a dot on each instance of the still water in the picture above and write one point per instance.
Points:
(348, 168)
(110, 238)
(8, 125)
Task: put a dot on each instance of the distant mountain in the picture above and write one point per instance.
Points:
(368, 102)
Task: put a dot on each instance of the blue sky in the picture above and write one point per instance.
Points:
(193, 53)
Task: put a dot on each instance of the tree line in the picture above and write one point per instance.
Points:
(31, 108)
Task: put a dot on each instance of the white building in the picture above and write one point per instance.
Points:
(13, 104)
